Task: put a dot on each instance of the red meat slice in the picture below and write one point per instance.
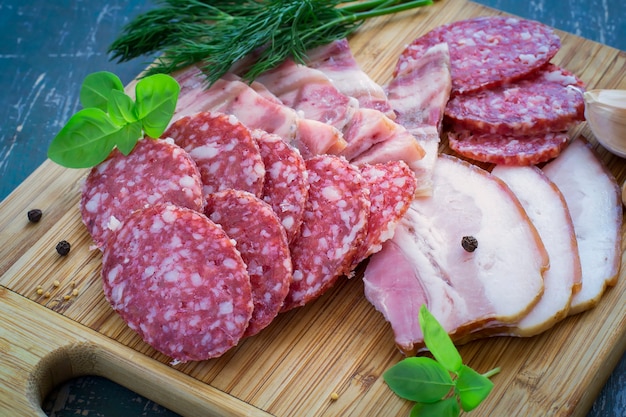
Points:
(549, 101)
(488, 51)
(285, 187)
(508, 150)
(223, 149)
(333, 228)
(176, 279)
(156, 171)
(392, 189)
(262, 242)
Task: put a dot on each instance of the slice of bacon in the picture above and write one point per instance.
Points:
(418, 94)
(312, 93)
(548, 211)
(337, 62)
(425, 262)
(233, 96)
(593, 198)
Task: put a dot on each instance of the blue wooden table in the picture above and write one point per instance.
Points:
(46, 50)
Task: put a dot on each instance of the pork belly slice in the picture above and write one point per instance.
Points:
(233, 96)
(311, 93)
(418, 95)
(548, 211)
(425, 263)
(337, 62)
(593, 198)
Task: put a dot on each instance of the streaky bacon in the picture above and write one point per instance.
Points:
(338, 63)
(230, 95)
(425, 262)
(418, 95)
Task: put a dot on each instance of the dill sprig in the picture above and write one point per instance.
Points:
(215, 34)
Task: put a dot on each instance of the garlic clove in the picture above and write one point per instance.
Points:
(605, 111)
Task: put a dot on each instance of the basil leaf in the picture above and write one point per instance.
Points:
(156, 98)
(127, 137)
(419, 379)
(438, 341)
(472, 387)
(97, 87)
(445, 408)
(122, 109)
(85, 141)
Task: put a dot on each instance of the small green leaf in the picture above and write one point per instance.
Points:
(445, 408)
(122, 109)
(419, 379)
(96, 89)
(156, 98)
(438, 341)
(472, 387)
(126, 138)
(86, 140)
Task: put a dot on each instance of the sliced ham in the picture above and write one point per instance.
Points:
(593, 198)
(418, 94)
(548, 211)
(337, 62)
(233, 96)
(425, 262)
(311, 93)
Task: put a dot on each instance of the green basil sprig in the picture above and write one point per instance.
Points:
(442, 386)
(110, 118)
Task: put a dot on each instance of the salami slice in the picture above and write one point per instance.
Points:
(156, 171)
(488, 51)
(508, 150)
(285, 187)
(177, 279)
(392, 188)
(223, 149)
(333, 228)
(262, 242)
(549, 101)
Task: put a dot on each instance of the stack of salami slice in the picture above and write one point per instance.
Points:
(207, 235)
(509, 104)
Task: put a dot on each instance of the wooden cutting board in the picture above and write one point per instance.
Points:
(337, 344)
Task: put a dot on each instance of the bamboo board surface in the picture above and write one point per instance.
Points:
(338, 343)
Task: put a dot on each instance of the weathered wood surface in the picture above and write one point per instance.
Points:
(338, 343)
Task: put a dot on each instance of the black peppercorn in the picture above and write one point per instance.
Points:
(469, 243)
(63, 247)
(34, 215)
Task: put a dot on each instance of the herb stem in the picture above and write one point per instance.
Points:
(491, 373)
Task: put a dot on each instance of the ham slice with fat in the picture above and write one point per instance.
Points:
(593, 198)
(425, 263)
(548, 211)
(230, 95)
(337, 62)
(418, 95)
(367, 131)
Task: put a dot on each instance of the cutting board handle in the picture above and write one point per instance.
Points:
(42, 349)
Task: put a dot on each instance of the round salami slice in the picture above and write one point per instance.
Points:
(508, 150)
(156, 171)
(223, 149)
(262, 242)
(488, 51)
(285, 187)
(177, 279)
(333, 228)
(392, 188)
(549, 101)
